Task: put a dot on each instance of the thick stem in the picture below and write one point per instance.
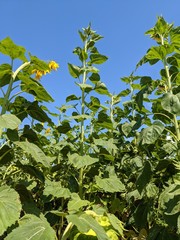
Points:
(82, 125)
(10, 87)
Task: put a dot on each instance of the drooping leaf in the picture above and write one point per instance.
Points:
(32, 227)
(10, 207)
(75, 71)
(35, 152)
(36, 112)
(116, 223)
(5, 74)
(144, 177)
(34, 87)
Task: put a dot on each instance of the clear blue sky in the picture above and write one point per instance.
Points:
(48, 29)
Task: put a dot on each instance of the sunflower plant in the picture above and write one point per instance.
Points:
(108, 167)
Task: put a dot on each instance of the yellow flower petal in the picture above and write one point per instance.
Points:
(53, 65)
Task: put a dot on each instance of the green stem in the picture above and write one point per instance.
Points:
(176, 125)
(10, 87)
(81, 173)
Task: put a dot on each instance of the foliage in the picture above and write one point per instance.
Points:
(105, 171)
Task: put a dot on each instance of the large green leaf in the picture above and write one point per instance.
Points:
(144, 177)
(8, 47)
(35, 152)
(76, 203)
(171, 103)
(10, 207)
(36, 112)
(34, 87)
(150, 134)
(32, 227)
(56, 190)
(116, 223)
(159, 52)
(86, 222)
(81, 161)
(127, 127)
(9, 121)
(112, 184)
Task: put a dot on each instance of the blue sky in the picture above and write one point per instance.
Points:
(48, 29)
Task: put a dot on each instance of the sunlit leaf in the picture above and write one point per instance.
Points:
(10, 207)
(107, 184)
(56, 190)
(35, 152)
(81, 161)
(32, 227)
(9, 121)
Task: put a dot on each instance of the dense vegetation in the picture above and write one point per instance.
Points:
(106, 170)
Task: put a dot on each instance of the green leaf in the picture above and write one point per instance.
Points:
(86, 222)
(159, 52)
(38, 63)
(86, 87)
(64, 127)
(94, 78)
(81, 225)
(128, 127)
(34, 87)
(6, 155)
(9, 121)
(124, 93)
(150, 134)
(36, 112)
(81, 161)
(144, 177)
(97, 58)
(35, 152)
(75, 71)
(116, 223)
(76, 203)
(5, 74)
(101, 88)
(107, 144)
(72, 98)
(171, 103)
(8, 47)
(56, 190)
(107, 184)
(94, 105)
(32, 227)
(10, 208)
